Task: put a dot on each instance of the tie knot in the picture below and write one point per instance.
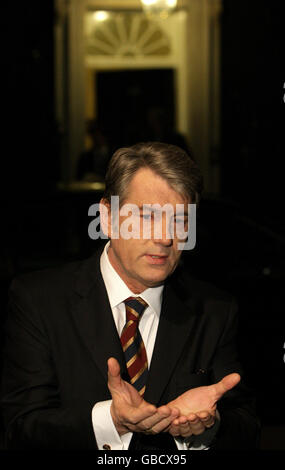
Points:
(135, 307)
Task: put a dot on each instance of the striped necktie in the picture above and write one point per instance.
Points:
(132, 344)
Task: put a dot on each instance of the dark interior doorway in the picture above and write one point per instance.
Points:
(126, 100)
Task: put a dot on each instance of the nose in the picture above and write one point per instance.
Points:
(162, 233)
(163, 241)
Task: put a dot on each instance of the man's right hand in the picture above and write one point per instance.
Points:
(129, 411)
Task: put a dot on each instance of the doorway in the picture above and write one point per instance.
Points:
(129, 102)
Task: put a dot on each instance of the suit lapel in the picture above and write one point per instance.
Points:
(94, 319)
(176, 322)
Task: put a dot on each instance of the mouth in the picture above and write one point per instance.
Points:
(156, 259)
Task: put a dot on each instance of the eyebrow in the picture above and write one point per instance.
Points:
(153, 209)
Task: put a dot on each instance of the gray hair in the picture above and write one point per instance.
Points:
(168, 161)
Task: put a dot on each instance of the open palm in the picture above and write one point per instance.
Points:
(204, 398)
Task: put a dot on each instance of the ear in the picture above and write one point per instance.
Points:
(105, 217)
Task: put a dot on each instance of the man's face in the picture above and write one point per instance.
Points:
(147, 262)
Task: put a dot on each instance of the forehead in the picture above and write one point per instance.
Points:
(146, 187)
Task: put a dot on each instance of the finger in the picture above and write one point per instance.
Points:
(174, 430)
(162, 413)
(226, 384)
(114, 377)
(182, 428)
(185, 429)
(192, 417)
(176, 422)
(230, 381)
(136, 417)
(164, 422)
(206, 418)
(113, 368)
(206, 414)
(182, 420)
(174, 414)
(196, 425)
(175, 411)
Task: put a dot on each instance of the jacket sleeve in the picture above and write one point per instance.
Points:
(239, 426)
(33, 415)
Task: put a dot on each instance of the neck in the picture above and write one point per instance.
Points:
(133, 284)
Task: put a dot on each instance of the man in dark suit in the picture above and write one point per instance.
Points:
(67, 380)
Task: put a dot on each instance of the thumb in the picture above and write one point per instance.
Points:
(114, 377)
(226, 384)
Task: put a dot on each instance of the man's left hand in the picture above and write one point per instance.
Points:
(193, 424)
(198, 406)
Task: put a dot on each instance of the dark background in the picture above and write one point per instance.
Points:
(241, 239)
(124, 97)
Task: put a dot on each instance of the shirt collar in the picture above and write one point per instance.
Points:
(118, 291)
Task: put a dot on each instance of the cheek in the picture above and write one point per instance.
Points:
(176, 254)
(130, 250)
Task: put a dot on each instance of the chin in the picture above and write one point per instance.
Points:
(155, 281)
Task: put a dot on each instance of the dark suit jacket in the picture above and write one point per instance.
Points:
(60, 333)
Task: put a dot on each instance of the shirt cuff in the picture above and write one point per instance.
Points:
(106, 434)
(202, 441)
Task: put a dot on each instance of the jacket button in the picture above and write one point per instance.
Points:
(106, 447)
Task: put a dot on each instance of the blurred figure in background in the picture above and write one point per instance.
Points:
(93, 162)
(160, 129)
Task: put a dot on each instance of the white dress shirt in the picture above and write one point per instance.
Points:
(105, 432)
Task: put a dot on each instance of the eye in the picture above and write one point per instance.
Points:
(180, 221)
(146, 216)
